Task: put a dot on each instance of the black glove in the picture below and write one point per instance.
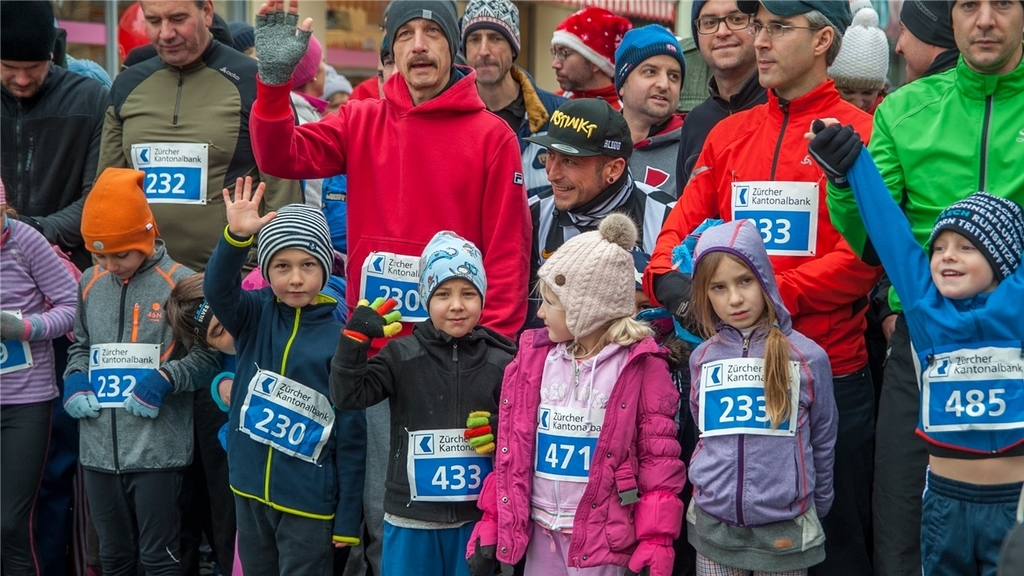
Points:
(482, 562)
(673, 292)
(373, 320)
(835, 149)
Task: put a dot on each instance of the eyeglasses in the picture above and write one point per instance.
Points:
(709, 24)
(774, 30)
(561, 54)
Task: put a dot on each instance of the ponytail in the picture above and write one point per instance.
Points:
(777, 385)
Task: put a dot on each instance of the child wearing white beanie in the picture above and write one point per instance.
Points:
(860, 68)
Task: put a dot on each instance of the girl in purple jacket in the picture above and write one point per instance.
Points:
(37, 298)
(761, 395)
(587, 470)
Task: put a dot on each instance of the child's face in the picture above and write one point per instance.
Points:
(455, 307)
(296, 277)
(959, 269)
(123, 264)
(218, 338)
(553, 315)
(736, 295)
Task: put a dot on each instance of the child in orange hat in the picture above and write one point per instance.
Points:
(129, 382)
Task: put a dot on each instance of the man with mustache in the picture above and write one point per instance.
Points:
(583, 54)
(648, 77)
(490, 38)
(936, 141)
(426, 157)
(720, 31)
(755, 165)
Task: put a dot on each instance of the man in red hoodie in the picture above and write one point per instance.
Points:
(427, 157)
(755, 164)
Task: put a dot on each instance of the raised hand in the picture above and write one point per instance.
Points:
(243, 212)
(374, 320)
(280, 43)
(835, 148)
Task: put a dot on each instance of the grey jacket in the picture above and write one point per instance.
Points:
(110, 311)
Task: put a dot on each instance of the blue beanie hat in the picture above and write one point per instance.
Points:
(639, 44)
(448, 256)
(243, 36)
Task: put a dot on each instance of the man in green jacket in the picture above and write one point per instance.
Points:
(936, 141)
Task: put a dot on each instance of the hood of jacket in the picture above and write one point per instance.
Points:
(741, 239)
(459, 97)
(667, 136)
(536, 114)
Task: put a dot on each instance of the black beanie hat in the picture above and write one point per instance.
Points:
(929, 21)
(443, 12)
(27, 31)
(994, 225)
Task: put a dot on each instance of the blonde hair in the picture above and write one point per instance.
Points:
(777, 385)
(624, 331)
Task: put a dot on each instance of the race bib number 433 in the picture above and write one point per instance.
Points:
(786, 214)
(115, 369)
(443, 467)
(973, 389)
(732, 399)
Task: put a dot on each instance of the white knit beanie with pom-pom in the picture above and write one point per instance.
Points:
(593, 276)
(863, 60)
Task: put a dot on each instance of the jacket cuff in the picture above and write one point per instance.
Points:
(273, 102)
(236, 241)
(350, 540)
(658, 514)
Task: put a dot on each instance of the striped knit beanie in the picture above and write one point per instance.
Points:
(296, 226)
(994, 225)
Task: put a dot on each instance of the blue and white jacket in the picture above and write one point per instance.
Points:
(969, 353)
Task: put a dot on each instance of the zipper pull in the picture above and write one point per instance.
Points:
(746, 345)
(455, 352)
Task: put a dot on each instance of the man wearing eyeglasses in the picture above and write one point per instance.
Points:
(583, 54)
(755, 164)
(720, 30)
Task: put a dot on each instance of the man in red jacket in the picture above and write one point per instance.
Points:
(427, 157)
(755, 164)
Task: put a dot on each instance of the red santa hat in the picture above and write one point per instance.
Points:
(595, 33)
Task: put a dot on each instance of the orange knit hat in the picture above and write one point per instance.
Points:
(116, 216)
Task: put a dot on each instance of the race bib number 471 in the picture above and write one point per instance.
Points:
(443, 467)
(115, 369)
(732, 399)
(176, 172)
(973, 389)
(786, 214)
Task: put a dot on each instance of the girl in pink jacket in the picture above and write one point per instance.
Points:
(587, 469)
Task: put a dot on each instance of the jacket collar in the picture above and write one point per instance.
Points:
(536, 114)
(979, 86)
(459, 96)
(537, 339)
(663, 133)
(824, 96)
(206, 56)
(439, 344)
(750, 93)
(607, 93)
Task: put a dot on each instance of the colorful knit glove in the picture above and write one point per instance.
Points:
(479, 432)
(280, 45)
(79, 399)
(373, 320)
(148, 395)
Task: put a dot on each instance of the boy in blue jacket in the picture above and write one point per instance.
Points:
(295, 464)
(961, 300)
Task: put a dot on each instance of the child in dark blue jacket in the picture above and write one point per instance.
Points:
(295, 464)
(961, 299)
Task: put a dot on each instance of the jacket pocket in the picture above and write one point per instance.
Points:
(619, 527)
(395, 463)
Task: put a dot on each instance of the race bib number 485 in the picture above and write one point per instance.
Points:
(786, 214)
(973, 389)
(732, 399)
(115, 369)
(443, 467)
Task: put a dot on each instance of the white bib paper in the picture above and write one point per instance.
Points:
(443, 467)
(786, 214)
(289, 416)
(115, 369)
(176, 172)
(732, 399)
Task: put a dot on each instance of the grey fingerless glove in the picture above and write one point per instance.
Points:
(280, 46)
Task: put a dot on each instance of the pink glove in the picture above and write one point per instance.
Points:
(657, 554)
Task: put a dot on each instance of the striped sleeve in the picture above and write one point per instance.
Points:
(55, 282)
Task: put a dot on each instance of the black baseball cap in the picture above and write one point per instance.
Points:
(587, 127)
(838, 13)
